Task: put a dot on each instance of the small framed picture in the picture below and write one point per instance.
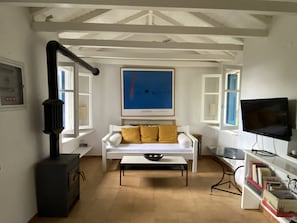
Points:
(11, 84)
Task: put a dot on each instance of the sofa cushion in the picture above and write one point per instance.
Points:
(131, 135)
(149, 134)
(115, 139)
(167, 134)
(184, 140)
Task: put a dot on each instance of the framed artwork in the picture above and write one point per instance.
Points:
(11, 84)
(147, 92)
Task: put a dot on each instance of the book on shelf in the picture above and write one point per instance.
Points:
(254, 186)
(258, 171)
(283, 201)
(276, 212)
(272, 182)
(269, 184)
(275, 186)
(254, 170)
(283, 194)
(263, 172)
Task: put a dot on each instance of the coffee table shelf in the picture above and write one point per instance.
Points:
(140, 162)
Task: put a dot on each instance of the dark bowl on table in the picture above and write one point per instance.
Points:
(153, 156)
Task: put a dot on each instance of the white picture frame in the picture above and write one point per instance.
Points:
(147, 92)
(11, 85)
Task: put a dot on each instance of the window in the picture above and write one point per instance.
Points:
(85, 101)
(74, 90)
(220, 97)
(211, 97)
(66, 76)
(231, 94)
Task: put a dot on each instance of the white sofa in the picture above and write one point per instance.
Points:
(187, 150)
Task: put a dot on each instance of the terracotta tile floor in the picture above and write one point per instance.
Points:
(154, 197)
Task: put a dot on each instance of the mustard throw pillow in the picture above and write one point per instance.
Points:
(168, 134)
(131, 135)
(149, 134)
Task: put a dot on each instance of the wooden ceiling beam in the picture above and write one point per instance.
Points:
(144, 29)
(265, 19)
(257, 7)
(90, 15)
(150, 45)
(152, 63)
(211, 21)
(153, 56)
(38, 10)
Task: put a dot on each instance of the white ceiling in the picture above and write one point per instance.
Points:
(156, 32)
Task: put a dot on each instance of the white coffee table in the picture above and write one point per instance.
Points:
(140, 162)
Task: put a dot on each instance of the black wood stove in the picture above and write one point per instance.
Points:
(57, 177)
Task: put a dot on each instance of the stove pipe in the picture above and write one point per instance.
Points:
(53, 107)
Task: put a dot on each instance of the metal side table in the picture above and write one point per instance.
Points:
(228, 153)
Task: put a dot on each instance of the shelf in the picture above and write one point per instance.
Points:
(277, 162)
(81, 134)
(279, 219)
(252, 200)
(82, 150)
(253, 192)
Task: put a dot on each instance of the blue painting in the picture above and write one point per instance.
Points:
(145, 91)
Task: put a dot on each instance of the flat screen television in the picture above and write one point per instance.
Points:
(268, 117)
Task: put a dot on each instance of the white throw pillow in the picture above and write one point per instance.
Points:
(115, 139)
(184, 140)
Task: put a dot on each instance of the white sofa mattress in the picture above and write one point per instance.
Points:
(150, 148)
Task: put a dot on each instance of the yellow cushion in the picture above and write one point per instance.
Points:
(168, 134)
(149, 134)
(131, 135)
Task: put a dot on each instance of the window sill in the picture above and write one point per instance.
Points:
(233, 132)
(82, 150)
(81, 134)
(217, 128)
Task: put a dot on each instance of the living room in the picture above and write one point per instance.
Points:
(268, 71)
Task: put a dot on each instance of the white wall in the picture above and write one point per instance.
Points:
(107, 98)
(270, 63)
(269, 70)
(22, 142)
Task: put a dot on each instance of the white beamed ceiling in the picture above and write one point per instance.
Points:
(201, 33)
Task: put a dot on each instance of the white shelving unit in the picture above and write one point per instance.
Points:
(250, 199)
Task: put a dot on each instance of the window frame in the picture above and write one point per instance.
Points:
(227, 70)
(214, 93)
(90, 100)
(76, 94)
